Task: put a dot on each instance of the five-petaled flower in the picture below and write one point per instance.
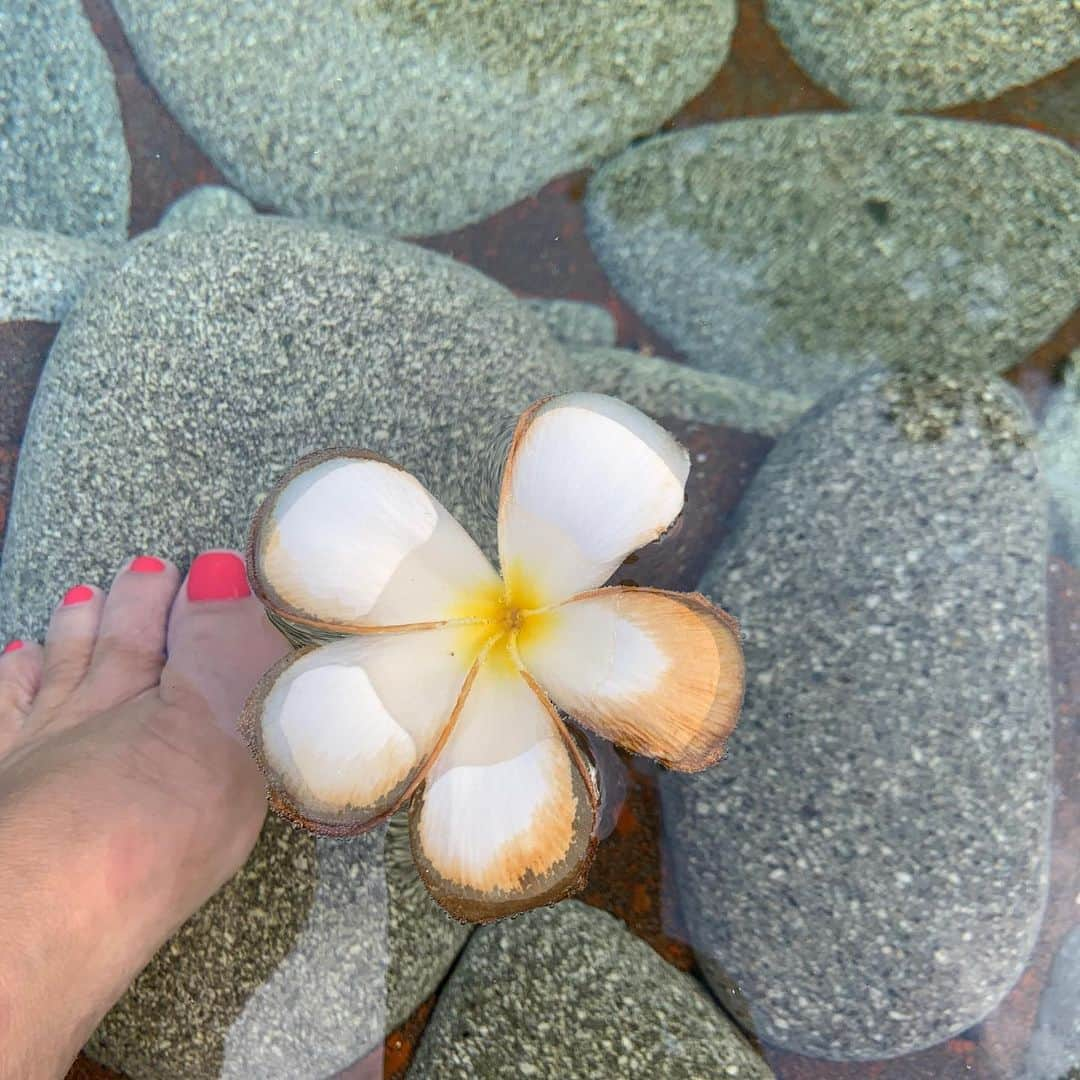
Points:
(442, 688)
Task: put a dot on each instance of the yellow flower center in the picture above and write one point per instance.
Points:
(499, 618)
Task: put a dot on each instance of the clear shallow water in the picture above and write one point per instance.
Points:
(884, 869)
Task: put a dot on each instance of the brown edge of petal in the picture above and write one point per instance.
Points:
(250, 727)
(695, 760)
(476, 911)
(523, 425)
(262, 590)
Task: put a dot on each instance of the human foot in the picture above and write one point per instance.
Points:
(126, 796)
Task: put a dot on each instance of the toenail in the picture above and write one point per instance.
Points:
(79, 595)
(218, 575)
(146, 564)
(12, 646)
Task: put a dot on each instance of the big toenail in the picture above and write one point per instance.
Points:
(79, 595)
(218, 575)
(146, 564)
(12, 646)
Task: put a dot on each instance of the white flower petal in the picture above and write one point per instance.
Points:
(345, 731)
(505, 820)
(348, 540)
(659, 673)
(589, 479)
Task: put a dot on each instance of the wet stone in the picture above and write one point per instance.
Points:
(793, 251)
(893, 54)
(206, 206)
(663, 387)
(63, 162)
(411, 117)
(869, 863)
(178, 389)
(575, 323)
(42, 274)
(569, 992)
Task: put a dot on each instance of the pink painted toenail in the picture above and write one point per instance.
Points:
(79, 595)
(217, 575)
(13, 646)
(146, 564)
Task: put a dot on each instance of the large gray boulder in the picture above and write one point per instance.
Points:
(568, 992)
(793, 251)
(409, 117)
(869, 865)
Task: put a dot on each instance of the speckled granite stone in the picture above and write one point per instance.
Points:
(408, 117)
(869, 863)
(42, 274)
(568, 992)
(575, 323)
(63, 161)
(205, 207)
(792, 251)
(926, 54)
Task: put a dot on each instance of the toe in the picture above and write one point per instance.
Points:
(130, 649)
(69, 643)
(220, 642)
(20, 677)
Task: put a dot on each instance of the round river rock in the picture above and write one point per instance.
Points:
(868, 866)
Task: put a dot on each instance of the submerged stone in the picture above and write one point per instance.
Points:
(868, 866)
(569, 992)
(792, 251)
(63, 161)
(894, 54)
(575, 323)
(181, 386)
(206, 206)
(664, 388)
(42, 274)
(408, 117)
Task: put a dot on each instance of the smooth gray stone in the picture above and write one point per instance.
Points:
(63, 161)
(926, 54)
(663, 387)
(793, 251)
(179, 387)
(569, 992)
(206, 206)
(869, 863)
(408, 117)
(1059, 450)
(575, 323)
(42, 274)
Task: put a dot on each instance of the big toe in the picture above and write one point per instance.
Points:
(219, 640)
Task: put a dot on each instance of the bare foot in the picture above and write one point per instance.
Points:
(126, 797)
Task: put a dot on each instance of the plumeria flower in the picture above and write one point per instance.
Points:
(438, 680)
